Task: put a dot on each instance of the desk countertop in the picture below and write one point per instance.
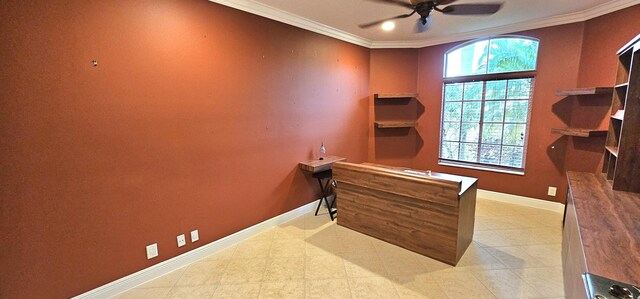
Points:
(465, 182)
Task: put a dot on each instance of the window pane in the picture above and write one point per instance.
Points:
(511, 156)
(451, 131)
(496, 90)
(492, 133)
(493, 111)
(519, 89)
(453, 92)
(514, 134)
(450, 150)
(452, 111)
(516, 111)
(468, 60)
(473, 91)
(471, 111)
(485, 122)
(469, 152)
(512, 54)
(490, 154)
(470, 132)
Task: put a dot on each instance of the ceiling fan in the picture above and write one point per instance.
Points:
(424, 8)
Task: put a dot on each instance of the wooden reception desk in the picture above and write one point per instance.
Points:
(429, 213)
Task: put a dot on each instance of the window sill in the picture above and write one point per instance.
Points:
(479, 167)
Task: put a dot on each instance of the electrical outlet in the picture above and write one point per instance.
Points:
(181, 240)
(152, 251)
(552, 191)
(194, 235)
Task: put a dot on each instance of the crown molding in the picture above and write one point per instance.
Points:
(282, 16)
(257, 8)
(540, 23)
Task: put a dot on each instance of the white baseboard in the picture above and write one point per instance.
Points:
(131, 281)
(521, 200)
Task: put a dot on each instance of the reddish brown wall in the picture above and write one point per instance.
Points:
(603, 37)
(195, 118)
(574, 55)
(558, 57)
(393, 71)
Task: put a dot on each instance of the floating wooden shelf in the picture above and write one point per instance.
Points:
(577, 132)
(584, 91)
(622, 85)
(612, 149)
(395, 124)
(388, 96)
(619, 115)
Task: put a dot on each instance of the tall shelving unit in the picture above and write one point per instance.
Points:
(622, 154)
(596, 216)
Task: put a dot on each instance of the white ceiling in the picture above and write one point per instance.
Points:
(339, 18)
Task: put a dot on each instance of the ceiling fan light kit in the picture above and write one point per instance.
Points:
(424, 9)
(388, 25)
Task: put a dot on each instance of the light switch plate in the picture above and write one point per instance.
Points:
(152, 251)
(194, 236)
(552, 191)
(181, 240)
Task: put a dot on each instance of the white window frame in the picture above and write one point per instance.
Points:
(485, 78)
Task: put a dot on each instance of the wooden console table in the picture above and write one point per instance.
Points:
(321, 170)
(430, 213)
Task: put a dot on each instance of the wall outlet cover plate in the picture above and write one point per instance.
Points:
(152, 251)
(181, 240)
(194, 236)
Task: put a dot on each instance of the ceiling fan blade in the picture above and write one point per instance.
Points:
(444, 2)
(396, 2)
(472, 9)
(367, 25)
(420, 27)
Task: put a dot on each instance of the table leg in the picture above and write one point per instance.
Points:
(324, 189)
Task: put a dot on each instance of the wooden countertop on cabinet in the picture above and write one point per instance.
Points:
(608, 226)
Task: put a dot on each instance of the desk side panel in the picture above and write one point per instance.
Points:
(466, 219)
(425, 227)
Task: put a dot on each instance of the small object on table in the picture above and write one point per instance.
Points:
(323, 150)
(321, 170)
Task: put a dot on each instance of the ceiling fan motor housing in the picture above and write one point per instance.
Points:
(425, 8)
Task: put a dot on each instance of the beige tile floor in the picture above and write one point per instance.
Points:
(515, 254)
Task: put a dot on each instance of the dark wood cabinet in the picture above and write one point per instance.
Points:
(601, 233)
(572, 254)
(622, 164)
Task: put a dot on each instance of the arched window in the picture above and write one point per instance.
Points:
(486, 103)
